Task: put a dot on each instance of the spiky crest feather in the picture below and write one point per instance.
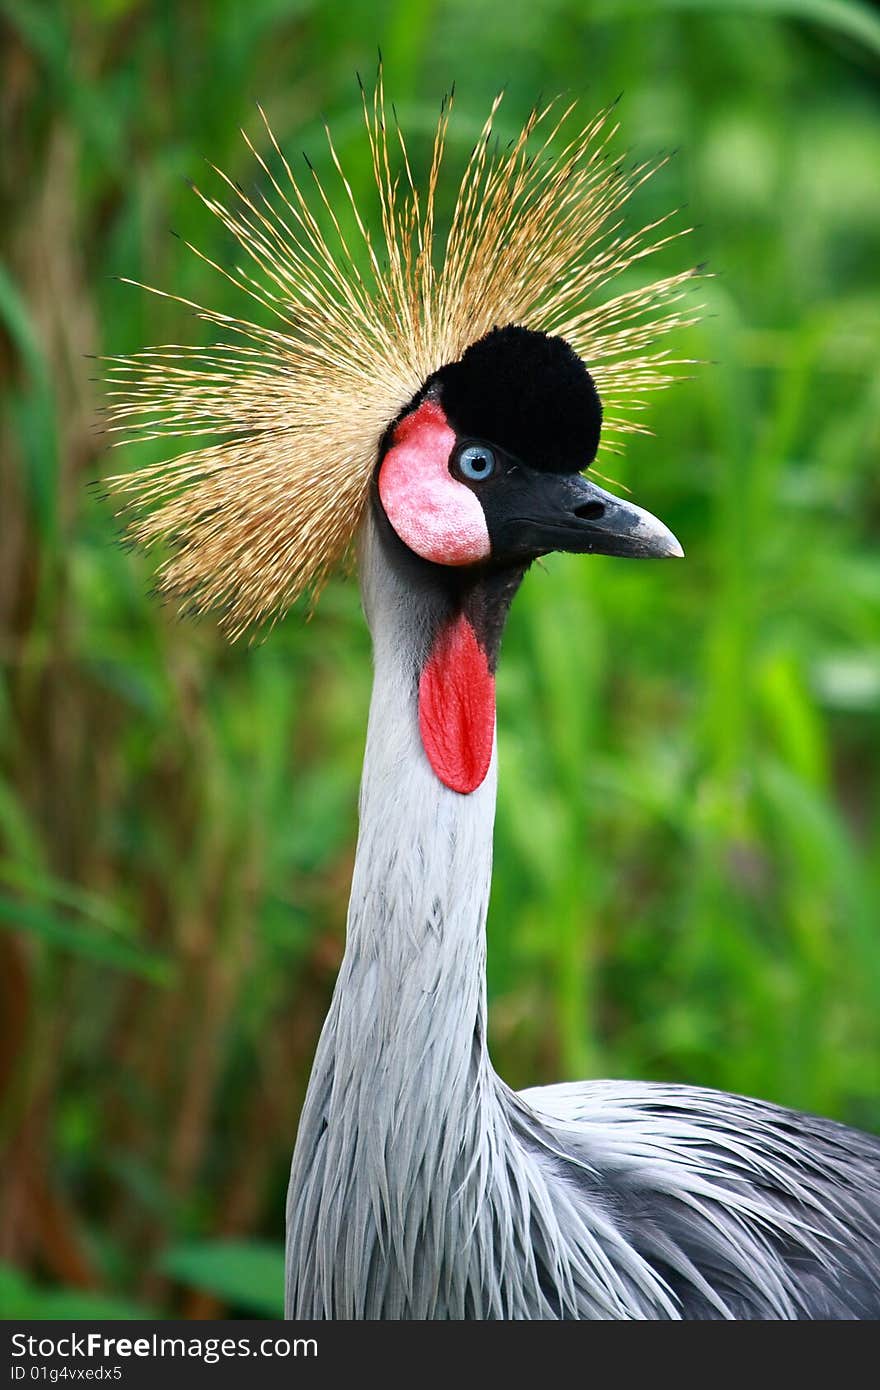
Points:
(269, 505)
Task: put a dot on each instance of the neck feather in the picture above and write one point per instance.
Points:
(415, 950)
(401, 1074)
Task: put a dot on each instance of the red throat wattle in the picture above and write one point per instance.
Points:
(457, 707)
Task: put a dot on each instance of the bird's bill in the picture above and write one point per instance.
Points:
(566, 511)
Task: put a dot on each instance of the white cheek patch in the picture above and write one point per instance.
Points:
(437, 517)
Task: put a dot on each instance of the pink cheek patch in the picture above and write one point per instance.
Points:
(437, 517)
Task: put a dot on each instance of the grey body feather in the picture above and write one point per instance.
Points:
(422, 1187)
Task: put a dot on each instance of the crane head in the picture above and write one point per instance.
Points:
(486, 463)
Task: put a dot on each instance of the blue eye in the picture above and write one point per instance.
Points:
(476, 462)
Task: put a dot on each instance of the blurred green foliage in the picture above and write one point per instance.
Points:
(688, 847)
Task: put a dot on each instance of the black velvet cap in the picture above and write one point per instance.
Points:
(528, 393)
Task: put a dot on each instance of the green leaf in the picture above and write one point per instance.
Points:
(856, 21)
(92, 942)
(20, 1298)
(245, 1274)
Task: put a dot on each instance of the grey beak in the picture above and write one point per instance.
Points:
(566, 511)
(610, 525)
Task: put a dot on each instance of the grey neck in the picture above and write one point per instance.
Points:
(401, 1071)
(415, 949)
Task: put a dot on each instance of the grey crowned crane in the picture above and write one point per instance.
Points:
(436, 401)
